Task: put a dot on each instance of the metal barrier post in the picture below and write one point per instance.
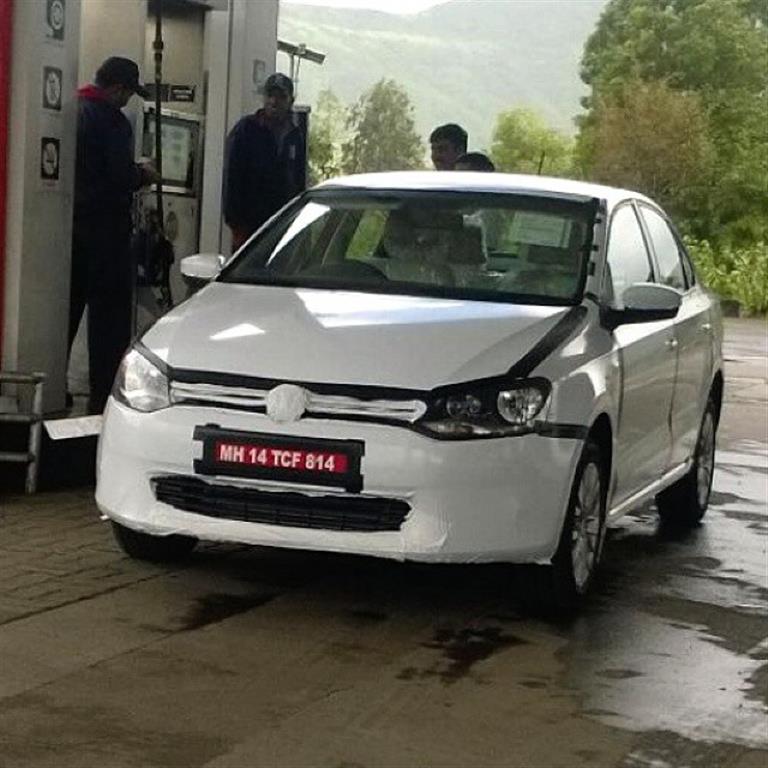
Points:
(34, 417)
(35, 434)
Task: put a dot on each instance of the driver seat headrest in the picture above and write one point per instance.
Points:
(467, 247)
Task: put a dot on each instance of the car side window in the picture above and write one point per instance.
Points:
(690, 272)
(628, 261)
(666, 248)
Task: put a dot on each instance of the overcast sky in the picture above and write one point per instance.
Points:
(391, 6)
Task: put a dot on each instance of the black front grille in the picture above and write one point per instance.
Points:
(250, 505)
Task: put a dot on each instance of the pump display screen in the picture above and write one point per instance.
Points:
(179, 149)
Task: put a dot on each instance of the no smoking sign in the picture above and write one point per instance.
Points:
(55, 18)
(52, 88)
(50, 159)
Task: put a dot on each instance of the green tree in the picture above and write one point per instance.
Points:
(382, 132)
(715, 49)
(524, 143)
(653, 139)
(326, 136)
(701, 45)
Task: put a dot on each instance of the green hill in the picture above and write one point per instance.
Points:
(464, 61)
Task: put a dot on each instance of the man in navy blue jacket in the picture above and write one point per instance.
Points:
(106, 177)
(265, 162)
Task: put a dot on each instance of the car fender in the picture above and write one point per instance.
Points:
(585, 373)
(586, 383)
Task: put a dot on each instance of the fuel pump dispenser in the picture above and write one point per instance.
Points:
(158, 279)
(153, 252)
(217, 53)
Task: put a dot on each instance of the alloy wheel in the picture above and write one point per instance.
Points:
(587, 522)
(705, 460)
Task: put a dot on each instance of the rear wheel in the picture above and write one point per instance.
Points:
(154, 549)
(684, 503)
(562, 585)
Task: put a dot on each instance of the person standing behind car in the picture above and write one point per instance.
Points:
(475, 161)
(265, 162)
(106, 177)
(490, 221)
(447, 144)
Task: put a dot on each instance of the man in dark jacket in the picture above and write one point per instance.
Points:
(265, 162)
(106, 177)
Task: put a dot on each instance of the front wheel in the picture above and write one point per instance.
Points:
(154, 549)
(685, 503)
(562, 585)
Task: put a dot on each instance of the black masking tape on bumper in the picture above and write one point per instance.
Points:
(564, 431)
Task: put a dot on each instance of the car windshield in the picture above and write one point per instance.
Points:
(487, 247)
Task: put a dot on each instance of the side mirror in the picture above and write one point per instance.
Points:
(643, 303)
(202, 266)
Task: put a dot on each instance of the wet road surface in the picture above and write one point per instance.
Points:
(258, 657)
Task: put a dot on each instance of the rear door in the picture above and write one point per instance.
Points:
(648, 362)
(693, 333)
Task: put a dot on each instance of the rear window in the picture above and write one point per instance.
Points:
(487, 247)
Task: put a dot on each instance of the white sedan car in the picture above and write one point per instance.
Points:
(442, 367)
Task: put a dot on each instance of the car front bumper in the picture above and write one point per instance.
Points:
(471, 501)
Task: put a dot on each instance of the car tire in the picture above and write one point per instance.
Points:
(153, 549)
(684, 504)
(562, 586)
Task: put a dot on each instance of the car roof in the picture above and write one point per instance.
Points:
(501, 183)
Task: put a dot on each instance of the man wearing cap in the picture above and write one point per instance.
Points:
(106, 177)
(265, 162)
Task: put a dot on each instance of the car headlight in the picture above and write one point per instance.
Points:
(490, 410)
(140, 384)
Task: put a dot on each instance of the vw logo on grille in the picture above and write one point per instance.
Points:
(287, 402)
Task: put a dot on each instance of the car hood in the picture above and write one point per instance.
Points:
(345, 337)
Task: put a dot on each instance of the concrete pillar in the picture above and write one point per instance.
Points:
(253, 54)
(41, 157)
(248, 30)
(216, 65)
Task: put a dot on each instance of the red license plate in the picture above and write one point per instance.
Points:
(233, 452)
(276, 457)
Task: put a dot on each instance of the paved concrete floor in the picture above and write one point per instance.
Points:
(252, 657)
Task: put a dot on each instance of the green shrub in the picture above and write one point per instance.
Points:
(734, 273)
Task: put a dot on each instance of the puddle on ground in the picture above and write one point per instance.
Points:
(461, 650)
(719, 499)
(211, 609)
(679, 680)
(749, 517)
(618, 674)
(665, 749)
(677, 639)
(706, 563)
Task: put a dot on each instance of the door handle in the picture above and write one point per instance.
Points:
(671, 345)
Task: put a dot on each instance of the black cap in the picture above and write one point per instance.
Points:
(117, 70)
(279, 81)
